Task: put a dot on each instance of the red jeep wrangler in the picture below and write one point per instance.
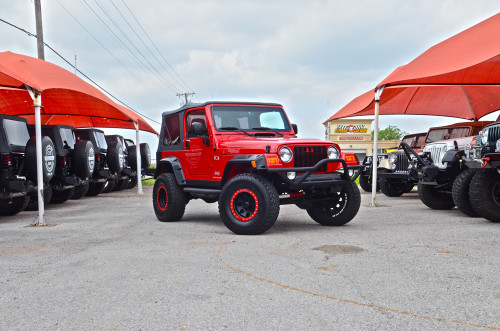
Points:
(247, 157)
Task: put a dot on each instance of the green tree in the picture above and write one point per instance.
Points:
(390, 133)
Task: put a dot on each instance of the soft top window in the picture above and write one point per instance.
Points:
(171, 133)
(17, 132)
(68, 138)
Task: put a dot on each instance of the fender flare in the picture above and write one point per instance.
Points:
(453, 156)
(260, 162)
(173, 165)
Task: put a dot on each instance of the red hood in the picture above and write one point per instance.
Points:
(236, 144)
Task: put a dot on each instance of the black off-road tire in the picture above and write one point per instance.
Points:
(365, 182)
(62, 196)
(435, 199)
(95, 189)
(47, 197)
(392, 188)
(409, 187)
(484, 194)
(109, 185)
(131, 182)
(14, 206)
(169, 200)
(48, 159)
(460, 193)
(338, 210)
(145, 156)
(120, 185)
(80, 191)
(84, 159)
(249, 204)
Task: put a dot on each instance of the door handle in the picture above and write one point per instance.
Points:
(187, 144)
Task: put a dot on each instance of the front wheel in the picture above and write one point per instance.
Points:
(169, 200)
(392, 188)
(365, 182)
(460, 193)
(249, 204)
(484, 194)
(13, 206)
(337, 209)
(435, 199)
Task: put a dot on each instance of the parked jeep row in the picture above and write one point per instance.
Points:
(76, 162)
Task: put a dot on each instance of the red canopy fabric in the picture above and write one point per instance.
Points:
(459, 77)
(66, 98)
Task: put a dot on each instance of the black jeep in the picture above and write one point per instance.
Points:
(75, 162)
(18, 172)
(477, 192)
(121, 171)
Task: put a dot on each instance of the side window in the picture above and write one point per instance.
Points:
(172, 131)
(196, 116)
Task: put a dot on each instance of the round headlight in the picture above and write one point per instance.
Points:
(393, 157)
(286, 154)
(484, 136)
(333, 153)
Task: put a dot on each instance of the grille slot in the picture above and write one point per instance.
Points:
(494, 134)
(308, 156)
(435, 151)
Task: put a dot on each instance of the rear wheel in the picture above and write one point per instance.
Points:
(13, 206)
(80, 191)
(131, 183)
(249, 204)
(460, 193)
(169, 200)
(435, 199)
(409, 187)
(339, 208)
(484, 194)
(62, 196)
(33, 202)
(95, 189)
(109, 185)
(392, 188)
(120, 185)
(365, 182)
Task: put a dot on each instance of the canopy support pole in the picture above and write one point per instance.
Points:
(37, 103)
(138, 155)
(378, 93)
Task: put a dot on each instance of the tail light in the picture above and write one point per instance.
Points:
(64, 161)
(98, 157)
(7, 160)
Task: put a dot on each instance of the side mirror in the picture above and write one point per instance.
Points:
(197, 128)
(295, 129)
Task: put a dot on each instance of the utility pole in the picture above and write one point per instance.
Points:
(39, 30)
(185, 95)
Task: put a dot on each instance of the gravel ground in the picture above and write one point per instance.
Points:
(106, 263)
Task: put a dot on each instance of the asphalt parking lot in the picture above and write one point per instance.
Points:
(106, 263)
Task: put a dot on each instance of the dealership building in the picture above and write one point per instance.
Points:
(355, 136)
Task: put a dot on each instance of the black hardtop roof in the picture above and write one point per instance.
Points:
(203, 104)
(14, 118)
(56, 126)
(88, 130)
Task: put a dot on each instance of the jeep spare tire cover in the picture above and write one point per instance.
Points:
(132, 156)
(84, 162)
(48, 159)
(115, 157)
(145, 155)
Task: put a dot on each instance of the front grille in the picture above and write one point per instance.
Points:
(402, 162)
(308, 156)
(435, 151)
(494, 134)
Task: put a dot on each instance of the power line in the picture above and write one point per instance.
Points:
(69, 63)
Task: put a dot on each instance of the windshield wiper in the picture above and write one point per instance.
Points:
(233, 128)
(263, 128)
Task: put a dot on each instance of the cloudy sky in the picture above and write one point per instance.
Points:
(311, 56)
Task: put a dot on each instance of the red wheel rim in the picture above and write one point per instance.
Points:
(162, 198)
(244, 205)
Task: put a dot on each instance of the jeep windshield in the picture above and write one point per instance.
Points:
(250, 118)
(16, 132)
(447, 133)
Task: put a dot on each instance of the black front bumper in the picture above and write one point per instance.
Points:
(309, 179)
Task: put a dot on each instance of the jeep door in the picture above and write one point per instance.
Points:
(197, 147)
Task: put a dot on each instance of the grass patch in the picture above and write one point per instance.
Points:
(148, 182)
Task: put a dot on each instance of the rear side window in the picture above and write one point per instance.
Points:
(171, 133)
(68, 138)
(16, 132)
(101, 140)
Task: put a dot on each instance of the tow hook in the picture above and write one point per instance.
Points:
(484, 161)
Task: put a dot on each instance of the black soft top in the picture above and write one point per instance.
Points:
(4, 145)
(199, 105)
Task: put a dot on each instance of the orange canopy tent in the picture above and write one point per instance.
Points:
(459, 77)
(67, 99)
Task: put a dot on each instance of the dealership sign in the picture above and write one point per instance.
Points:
(351, 138)
(351, 129)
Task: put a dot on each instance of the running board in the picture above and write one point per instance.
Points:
(202, 192)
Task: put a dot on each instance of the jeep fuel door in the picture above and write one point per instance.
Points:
(198, 152)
